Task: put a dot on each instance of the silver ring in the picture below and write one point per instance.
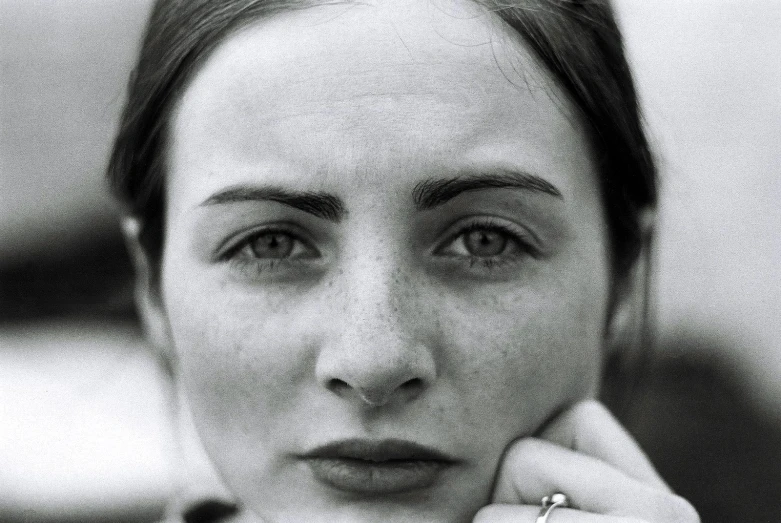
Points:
(549, 503)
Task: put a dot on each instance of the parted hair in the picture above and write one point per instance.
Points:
(578, 41)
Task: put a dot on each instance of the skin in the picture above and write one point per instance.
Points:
(391, 321)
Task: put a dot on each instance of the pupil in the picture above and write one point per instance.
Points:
(485, 243)
(272, 245)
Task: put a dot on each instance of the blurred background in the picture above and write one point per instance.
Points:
(85, 431)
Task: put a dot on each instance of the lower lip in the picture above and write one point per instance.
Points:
(366, 477)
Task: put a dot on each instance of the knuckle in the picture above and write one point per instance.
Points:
(591, 406)
(593, 409)
(525, 453)
(487, 514)
(526, 448)
(677, 509)
(483, 516)
(526, 458)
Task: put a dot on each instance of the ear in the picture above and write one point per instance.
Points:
(630, 294)
(148, 296)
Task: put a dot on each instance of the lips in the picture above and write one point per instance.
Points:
(377, 467)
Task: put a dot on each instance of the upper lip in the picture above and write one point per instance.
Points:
(378, 450)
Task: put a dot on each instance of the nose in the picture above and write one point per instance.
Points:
(378, 353)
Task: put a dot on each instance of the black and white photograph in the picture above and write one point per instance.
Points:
(403, 261)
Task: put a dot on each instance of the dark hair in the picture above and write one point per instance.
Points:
(578, 41)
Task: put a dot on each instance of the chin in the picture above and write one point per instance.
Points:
(446, 502)
(376, 511)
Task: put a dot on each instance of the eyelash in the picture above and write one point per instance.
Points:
(521, 241)
(254, 266)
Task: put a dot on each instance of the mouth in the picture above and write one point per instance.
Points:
(371, 467)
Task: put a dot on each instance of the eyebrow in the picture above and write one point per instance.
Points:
(426, 195)
(429, 194)
(322, 205)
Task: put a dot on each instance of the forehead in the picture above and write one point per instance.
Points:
(349, 87)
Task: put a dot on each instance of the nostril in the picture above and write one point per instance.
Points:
(338, 386)
(376, 396)
(413, 384)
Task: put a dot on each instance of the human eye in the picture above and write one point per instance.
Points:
(487, 244)
(273, 248)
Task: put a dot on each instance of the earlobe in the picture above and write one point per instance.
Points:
(148, 296)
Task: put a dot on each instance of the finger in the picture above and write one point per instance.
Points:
(588, 427)
(501, 513)
(534, 468)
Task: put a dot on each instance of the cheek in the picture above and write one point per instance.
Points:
(241, 369)
(519, 356)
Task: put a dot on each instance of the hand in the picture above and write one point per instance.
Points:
(587, 455)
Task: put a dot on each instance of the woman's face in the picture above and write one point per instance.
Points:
(385, 259)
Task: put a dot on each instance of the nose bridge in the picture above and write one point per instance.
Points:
(377, 332)
(378, 351)
(376, 284)
(375, 302)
